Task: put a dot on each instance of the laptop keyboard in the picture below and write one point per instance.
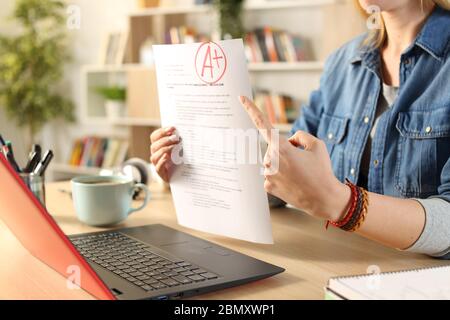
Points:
(135, 262)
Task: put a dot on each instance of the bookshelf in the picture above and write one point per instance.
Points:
(317, 20)
(251, 6)
(286, 66)
(67, 169)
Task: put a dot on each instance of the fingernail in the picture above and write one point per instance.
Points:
(242, 99)
(168, 129)
(174, 138)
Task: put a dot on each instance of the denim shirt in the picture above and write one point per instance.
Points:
(411, 149)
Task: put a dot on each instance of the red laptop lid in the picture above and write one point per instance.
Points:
(40, 235)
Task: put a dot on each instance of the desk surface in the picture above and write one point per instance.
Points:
(309, 254)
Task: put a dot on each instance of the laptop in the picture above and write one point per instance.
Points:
(149, 262)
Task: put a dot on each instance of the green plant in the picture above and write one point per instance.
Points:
(31, 65)
(230, 12)
(113, 93)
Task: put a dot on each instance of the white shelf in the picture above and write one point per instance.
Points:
(69, 169)
(114, 68)
(123, 122)
(263, 5)
(288, 4)
(286, 66)
(259, 66)
(161, 11)
(137, 122)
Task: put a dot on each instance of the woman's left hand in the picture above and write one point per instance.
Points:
(298, 170)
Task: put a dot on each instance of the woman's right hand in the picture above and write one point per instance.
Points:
(162, 143)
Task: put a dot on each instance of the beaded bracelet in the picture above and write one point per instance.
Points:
(349, 214)
(351, 211)
(357, 213)
(364, 211)
(355, 218)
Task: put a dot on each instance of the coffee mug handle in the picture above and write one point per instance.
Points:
(143, 187)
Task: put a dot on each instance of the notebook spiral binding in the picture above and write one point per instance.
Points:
(358, 276)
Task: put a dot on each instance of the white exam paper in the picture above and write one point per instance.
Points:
(198, 86)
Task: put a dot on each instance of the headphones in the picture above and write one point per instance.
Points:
(138, 170)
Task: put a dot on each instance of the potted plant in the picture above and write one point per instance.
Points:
(31, 66)
(230, 15)
(115, 97)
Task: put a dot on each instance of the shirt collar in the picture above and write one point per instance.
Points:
(435, 35)
(434, 38)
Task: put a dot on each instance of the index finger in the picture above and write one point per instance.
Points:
(161, 133)
(261, 122)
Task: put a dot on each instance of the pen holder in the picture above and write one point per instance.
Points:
(36, 184)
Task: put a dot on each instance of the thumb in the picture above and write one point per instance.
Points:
(304, 140)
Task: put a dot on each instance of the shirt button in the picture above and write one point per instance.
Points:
(408, 61)
(366, 120)
(330, 136)
(376, 163)
(352, 171)
(428, 129)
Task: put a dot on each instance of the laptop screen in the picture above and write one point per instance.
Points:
(38, 232)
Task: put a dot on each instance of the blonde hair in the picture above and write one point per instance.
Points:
(377, 37)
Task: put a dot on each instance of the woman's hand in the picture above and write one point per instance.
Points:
(302, 177)
(162, 143)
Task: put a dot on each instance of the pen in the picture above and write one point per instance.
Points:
(42, 166)
(33, 161)
(36, 148)
(2, 145)
(9, 153)
(10, 148)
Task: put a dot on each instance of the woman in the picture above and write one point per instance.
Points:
(380, 119)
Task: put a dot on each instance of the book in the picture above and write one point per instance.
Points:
(121, 153)
(87, 142)
(279, 108)
(289, 50)
(93, 152)
(183, 35)
(270, 45)
(417, 284)
(279, 46)
(98, 152)
(261, 40)
(77, 151)
(111, 153)
(255, 50)
(270, 109)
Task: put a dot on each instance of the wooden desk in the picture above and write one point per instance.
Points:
(309, 254)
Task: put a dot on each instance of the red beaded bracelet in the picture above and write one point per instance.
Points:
(351, 211)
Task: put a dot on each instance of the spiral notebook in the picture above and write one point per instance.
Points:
(418, 284)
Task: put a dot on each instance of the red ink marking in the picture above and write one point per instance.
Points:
(215, 63)
(210, 66)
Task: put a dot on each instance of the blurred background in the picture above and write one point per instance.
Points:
(77, 76)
